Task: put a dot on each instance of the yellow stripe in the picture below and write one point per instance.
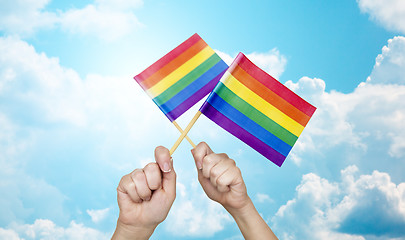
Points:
(180, 72)
(261, 105)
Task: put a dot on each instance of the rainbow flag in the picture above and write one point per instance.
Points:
(258, 109)
(182, 77)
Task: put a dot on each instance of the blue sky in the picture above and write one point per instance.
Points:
(73, 121)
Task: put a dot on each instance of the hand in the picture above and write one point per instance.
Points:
(220, 178)
(145, 197)
(222, 181)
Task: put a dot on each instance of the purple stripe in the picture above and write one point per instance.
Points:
(242, 134)
(188, 103)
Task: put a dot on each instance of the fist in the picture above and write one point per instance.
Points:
(220, 178)
(146, 195)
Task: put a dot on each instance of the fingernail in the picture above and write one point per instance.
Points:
(199, 165)
(166, 167)
(192, 151)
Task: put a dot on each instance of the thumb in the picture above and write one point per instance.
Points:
(199, 152)
(164, 160)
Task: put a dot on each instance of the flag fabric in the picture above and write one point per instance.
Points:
(258, 109)
(182, 77)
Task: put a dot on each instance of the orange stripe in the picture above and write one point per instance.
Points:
(174, 64)
(270, 96)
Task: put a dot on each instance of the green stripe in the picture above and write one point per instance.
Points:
(254, 114)
(186, 80)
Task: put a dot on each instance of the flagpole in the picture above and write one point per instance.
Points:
(181, 131)
(184, 134)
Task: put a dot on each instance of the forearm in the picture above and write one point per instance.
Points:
(250, 223)
(126, 232)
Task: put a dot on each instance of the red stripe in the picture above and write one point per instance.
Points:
(167, 58)
(174, 64)
(273, 84)
(269, 96)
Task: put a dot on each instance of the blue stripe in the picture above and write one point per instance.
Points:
(193, 87)
(249, 125)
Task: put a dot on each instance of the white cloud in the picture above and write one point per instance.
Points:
(354, 208)
(103, 19)
(36, 79)
(195, 214)
(98, 215)
(262, 198)
(57, 94)
(228, 59)
(119, 4)
(389, 66)
(272, 61)
(372, 113)
(44, 103)
(23, 195)
(329, 125)
(389, 13)
(25, 16)
(8, 234)
(47, 230)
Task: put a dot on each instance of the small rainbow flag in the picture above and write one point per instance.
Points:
(258, 109)
(182, 77)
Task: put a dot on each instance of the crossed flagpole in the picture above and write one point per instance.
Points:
(244, 100)
(181, 131)
(184, 133)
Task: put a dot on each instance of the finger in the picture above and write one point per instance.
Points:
(153, 176)
(199, 152)
(162, 156)
(225, 181)
(232, 179)
(220, 168)
(127, 186)
(141, 186)
(209, 161)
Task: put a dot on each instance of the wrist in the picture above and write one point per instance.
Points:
(244, 211)
(250, 223)
(125, 231)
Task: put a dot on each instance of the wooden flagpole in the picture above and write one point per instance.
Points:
(184, 133)
(181, 131)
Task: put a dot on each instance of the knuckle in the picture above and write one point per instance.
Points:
(151, 167)
(208, 158)
(130, 185)
(202, 144)
(215, 172)
(220, 182)
(138, 175)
